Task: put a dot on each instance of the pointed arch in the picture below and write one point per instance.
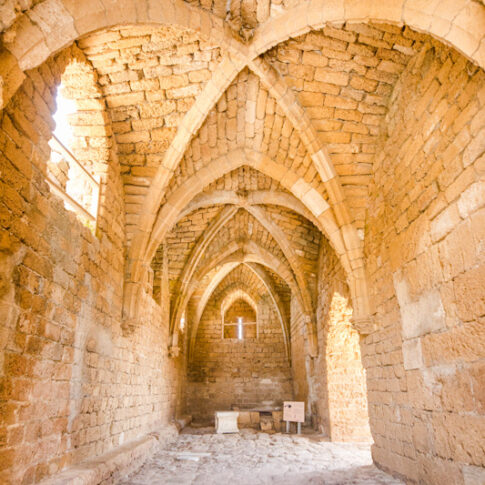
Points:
(249, 252)
(295, 184)
(52, 25)
(170, 211)
(209, 291)
(242, 251)
(224, 216)
(238, 294)
(183, 293)
(285, 324)
(221, 273)
(224, 271)
(458, 23)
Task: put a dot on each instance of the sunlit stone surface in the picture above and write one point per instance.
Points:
(258, 458)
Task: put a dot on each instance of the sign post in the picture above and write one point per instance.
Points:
(294, 411)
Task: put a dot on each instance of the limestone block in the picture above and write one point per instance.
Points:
(55, 22)
(471, 199)
(266, 423)
(244, 418)
(315, 59)
(331, 77)
(226, 422)
(11, 77)
(466, 28)
(412, 353)
(277, 418)
(422, 315)
(254, 417)
(315, 202)
(473, 475)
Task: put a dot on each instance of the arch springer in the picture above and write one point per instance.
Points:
(173, 351)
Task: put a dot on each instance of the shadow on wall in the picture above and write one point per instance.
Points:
(338, 377)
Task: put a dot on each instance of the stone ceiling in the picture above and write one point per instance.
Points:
(342, 77)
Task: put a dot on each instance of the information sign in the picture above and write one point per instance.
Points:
(294, 411)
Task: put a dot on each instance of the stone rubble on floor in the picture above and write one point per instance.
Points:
(252, 457)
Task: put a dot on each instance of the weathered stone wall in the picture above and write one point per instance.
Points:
(338, 378)
(425, 259)
(72, 386)
(252, 372)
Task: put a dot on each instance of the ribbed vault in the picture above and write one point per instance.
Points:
(208, 122)
(313, 165)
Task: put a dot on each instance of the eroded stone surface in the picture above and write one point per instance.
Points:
(260, 458)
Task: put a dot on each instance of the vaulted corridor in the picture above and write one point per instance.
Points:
(224, 205)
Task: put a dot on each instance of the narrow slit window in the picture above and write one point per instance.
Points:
(240, 328)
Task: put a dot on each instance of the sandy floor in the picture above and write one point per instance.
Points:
(252, 458)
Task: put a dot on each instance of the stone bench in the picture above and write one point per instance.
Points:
(264, 417)
(116, 464)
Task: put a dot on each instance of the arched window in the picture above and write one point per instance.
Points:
(239, 318)
(68, 178)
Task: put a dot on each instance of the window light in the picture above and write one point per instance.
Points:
(239, 328)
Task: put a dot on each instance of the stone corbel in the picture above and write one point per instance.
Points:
(173, 351)
(131, 298)
(128, 327)
(364, 325)
(311, 336)
(174, 348)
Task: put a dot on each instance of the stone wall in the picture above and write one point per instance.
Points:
(299, 356)
(71, 385)
(425, 259)
(240, 308)
(248, 373)
(338, 376)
